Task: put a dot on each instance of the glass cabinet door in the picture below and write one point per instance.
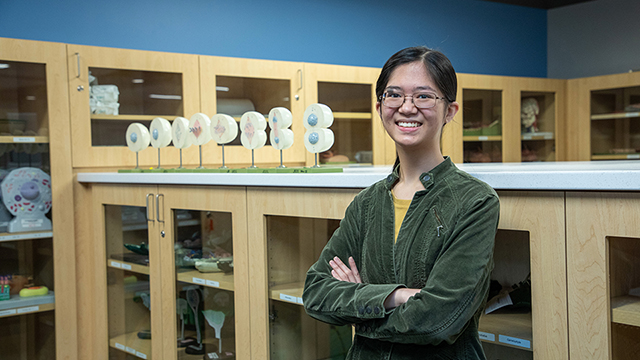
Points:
(127, 254)
(482, 125)
(350, 93)
(234, 86)
(205, 292)
(112, 88)
(33, 114)
(615, 125)
(290, 229)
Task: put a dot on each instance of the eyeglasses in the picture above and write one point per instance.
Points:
(422, 100)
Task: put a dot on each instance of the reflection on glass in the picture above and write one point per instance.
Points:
(204, 284)
(506, 325)
(237, 95)
(119, 97)
(482, 125)
(294, 244)
(128, 295)
(24, 114)
(624, 288)
(615, 129)
(351, 105)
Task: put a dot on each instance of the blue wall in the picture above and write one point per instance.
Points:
(479, 37)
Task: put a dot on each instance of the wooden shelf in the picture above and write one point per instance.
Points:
(25, 235)
(213, 279)
(616, 157)
(131, 117)
(352, 115)
(123, 265)
(291, 293)
(131, 344)
(29, 305)
(507, 329)
(615, 116)
(626, 310)
(482, 138)
(11, 139)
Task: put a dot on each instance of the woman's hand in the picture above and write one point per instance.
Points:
(342, 272)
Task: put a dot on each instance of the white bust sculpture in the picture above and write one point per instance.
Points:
(529, 115)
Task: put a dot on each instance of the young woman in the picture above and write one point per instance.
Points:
(418, 244)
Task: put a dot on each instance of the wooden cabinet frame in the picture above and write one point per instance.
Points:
(382, 146)
(53, 55)
(212, 66)
(81, 58)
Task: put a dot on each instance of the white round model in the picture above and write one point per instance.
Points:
(318, 140)
(318, 116)
(224, 128)
(26, 193)
(180, 133)
(281, 136)
(138, 137)
(200, 129)
(160, 131)
(253, 124)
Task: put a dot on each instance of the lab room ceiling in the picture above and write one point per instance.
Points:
(541, 4)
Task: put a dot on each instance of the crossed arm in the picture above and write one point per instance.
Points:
(350, 273)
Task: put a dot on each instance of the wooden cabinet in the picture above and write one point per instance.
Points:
(146, 85)
(148, 291)
(488, 126)
(602, 268)
(289, 228)
(604, 117)
(530, 238)
(350, 93)
(233, 86)
(34, 132)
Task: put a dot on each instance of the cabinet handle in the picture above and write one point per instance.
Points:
(300, 87)
(147, 214)
(158, 207)
(78, 58)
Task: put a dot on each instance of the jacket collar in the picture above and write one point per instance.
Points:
(427, 178)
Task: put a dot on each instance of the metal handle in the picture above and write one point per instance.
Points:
(300, 72)
(158, 207)
(147, 213)
(78, 58)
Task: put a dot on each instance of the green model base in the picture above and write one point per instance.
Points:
(303, 170)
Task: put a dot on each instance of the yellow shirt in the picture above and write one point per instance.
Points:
(400, 206)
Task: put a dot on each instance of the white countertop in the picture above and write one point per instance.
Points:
(589, 175)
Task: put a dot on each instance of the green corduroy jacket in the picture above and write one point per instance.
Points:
(444, 247)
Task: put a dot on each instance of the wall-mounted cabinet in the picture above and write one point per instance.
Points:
(604, 117)
(234, 86)
(350, 93)
(34, 132)
(112, 88)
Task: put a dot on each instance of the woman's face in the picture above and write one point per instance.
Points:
(408, 125)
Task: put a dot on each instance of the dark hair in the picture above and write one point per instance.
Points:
(437, 64)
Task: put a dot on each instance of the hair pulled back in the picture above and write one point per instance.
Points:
(436, 63)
